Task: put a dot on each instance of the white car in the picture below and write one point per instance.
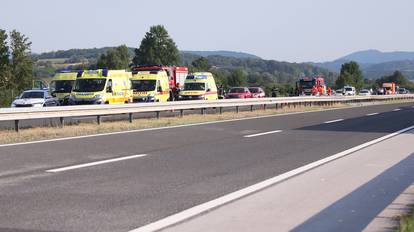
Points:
(35, 98)
(364, 92)
(349, 91)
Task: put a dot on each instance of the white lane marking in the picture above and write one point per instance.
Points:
(172, 127)
(264, 133)
(167, 127)
(202, 208)
(95, 163)
(372, 114)
(337, 120)
(395, 110)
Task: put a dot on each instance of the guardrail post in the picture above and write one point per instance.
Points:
(62, 121)
(237, 109)
(98, 119)
(221, 110)
(16, 125)
(157, 114)
(131, 117)
(264, 107)
(181, 113)
(276, 106)
(203, 111)
(251, 108)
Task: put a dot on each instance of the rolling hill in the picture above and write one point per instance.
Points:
(375, 64)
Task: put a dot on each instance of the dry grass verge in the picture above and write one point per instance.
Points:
(41, 133)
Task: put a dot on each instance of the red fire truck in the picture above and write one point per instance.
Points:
(176, 76)
(311, 86)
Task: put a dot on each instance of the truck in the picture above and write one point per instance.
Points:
(176, 76)
(311, 86)
(389, 88)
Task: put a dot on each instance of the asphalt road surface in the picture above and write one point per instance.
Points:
(9, 125)
(56, 186)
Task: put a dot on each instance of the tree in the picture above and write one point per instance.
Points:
(237, 78)
(350, 75)
(22, 63)
(157, 47)
(117, 58)
(201, 64)
(5, 74)
(398, 78)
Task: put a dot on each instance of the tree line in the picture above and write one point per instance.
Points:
(16, 64)
(158, 48)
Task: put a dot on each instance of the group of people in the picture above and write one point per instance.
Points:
(321, 91)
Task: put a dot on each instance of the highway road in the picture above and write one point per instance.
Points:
(9, 125)
(123, 181)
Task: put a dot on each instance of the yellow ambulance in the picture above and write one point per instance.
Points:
(199, 86)
(150, 86)
(61, 86)
(102, 86)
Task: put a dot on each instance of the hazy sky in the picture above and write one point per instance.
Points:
(290, 30)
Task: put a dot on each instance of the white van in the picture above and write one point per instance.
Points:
(349, 91)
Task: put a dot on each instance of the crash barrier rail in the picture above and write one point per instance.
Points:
(62, 112)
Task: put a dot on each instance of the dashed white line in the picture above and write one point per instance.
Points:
(205, 207)
(337, 120)
(372, 114)
(395, 110)
(264, 133)
(95, 163)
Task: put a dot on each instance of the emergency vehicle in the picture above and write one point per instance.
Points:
(61, 86)
(199, 86)
(311, 86)
(102, 86)
(176, 77)
(389, 88)
(150, 86)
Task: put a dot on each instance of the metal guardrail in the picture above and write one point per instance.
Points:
(18, 114)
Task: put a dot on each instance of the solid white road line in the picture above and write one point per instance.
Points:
(337, 120)
(199, 209)
(264, 133)
(372, 114)
(168, 127)
(95, 163)
(396, 110)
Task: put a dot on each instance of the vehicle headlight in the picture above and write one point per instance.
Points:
(99, 96)
(13, 104)
(151, 95)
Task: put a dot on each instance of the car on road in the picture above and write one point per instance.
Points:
(403, 91)
(339, 92)
(239, 92)
(35, 98)
(364, 92)
(349, 91)
(257, 92)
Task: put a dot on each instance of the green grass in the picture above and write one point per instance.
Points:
(406, 222)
